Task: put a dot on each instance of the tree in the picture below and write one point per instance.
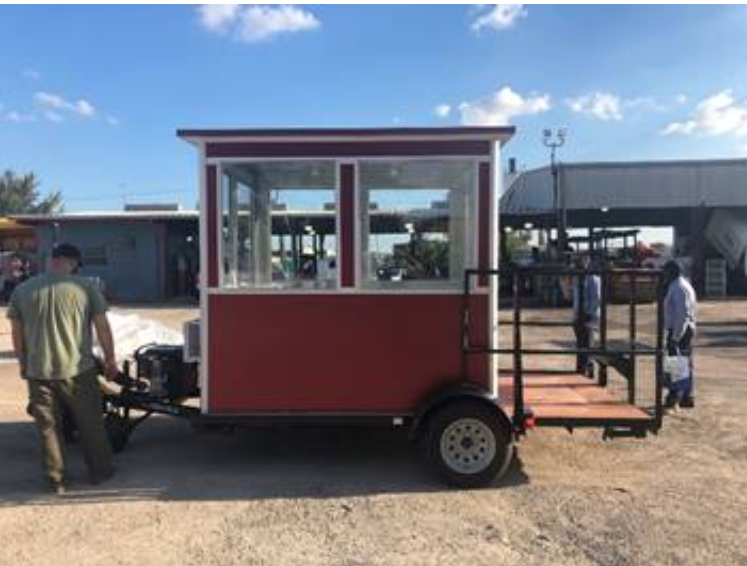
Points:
(19, 194)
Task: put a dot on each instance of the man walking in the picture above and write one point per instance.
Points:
(680, 304)
(587, 294)
(51, 317)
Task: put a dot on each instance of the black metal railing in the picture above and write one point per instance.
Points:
(623, 359)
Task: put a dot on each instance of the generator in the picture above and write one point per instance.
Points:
(165, 374)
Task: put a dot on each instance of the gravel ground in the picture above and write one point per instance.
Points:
(346, 497)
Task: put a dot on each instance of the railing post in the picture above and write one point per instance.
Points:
(633, 336)
(604, 297)
(659, 393)
(579, 290)
(517, 355)
(465, 325)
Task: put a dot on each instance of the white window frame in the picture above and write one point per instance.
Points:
(221, 287)
(469, 239)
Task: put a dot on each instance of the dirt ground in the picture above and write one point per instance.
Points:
(344, 497)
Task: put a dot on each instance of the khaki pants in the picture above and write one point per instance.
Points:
(81, 395)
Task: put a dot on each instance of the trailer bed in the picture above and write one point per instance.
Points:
(569, 400)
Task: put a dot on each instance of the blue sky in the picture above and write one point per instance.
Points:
(90, 96)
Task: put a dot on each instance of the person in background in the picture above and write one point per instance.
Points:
(51, 317)
(587, 294)
(680, 303)
(17, 274)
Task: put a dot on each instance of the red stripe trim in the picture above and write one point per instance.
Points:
(347, 224)
(349, 149)
(211, 208)
(484, 212)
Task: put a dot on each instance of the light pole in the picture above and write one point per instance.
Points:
(554, 140)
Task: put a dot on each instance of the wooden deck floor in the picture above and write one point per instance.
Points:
(567, 397)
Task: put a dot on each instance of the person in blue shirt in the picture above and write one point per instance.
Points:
(587, 295)
(680, 303)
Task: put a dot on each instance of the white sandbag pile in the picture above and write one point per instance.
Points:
(131, 331)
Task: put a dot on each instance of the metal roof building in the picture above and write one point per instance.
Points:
(634, 185)
(704, 201)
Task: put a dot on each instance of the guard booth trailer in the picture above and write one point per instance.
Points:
(350, 278)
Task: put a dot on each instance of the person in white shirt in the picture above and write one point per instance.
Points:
(680, 303)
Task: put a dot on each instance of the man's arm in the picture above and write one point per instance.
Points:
(19, 345)
(104, 334)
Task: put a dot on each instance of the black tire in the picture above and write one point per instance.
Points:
(468, 444)
(118, 429)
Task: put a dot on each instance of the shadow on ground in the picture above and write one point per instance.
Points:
(169, 461)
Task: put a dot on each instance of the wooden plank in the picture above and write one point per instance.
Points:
(567, 397)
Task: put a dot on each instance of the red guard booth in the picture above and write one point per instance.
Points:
(332, 280)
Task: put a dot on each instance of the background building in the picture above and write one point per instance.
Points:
(704, 202)
(138, 255)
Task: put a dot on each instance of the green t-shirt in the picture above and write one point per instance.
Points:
(56, 312)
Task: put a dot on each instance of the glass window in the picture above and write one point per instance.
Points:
(279, 224)
(414, 222)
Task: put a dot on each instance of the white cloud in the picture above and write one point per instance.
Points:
(53, 116)
(600, 105)
(501, 106)
(718, 115)
(218, 17)
(20, 117)
(256, 23)
(645, 102)
(442, 110)
(607, 106)
(80, 107)
(112, 120)
(498, 16)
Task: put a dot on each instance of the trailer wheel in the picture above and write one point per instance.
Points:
(118, 429)
(468, 444)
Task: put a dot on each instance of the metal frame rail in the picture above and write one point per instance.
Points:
(622, 359)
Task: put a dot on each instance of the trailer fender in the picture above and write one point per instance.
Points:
(450, 394)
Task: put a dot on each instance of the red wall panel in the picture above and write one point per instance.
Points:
(428, 148)
(211, 209)
(337, 353)
(347, 224)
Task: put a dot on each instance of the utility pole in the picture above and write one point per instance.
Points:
(554, 140)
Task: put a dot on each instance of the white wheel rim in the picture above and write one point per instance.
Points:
(467, 446)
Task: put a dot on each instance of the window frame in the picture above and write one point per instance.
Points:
(470, 233)
(222, 283)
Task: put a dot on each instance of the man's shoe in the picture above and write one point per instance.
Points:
(57, 487)
(670, 402)
(687, 403)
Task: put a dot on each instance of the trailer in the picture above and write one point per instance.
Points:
(349, 278)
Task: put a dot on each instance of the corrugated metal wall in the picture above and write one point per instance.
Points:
(632, 185)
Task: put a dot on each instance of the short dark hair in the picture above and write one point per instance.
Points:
(68, 251)
(672, 268)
